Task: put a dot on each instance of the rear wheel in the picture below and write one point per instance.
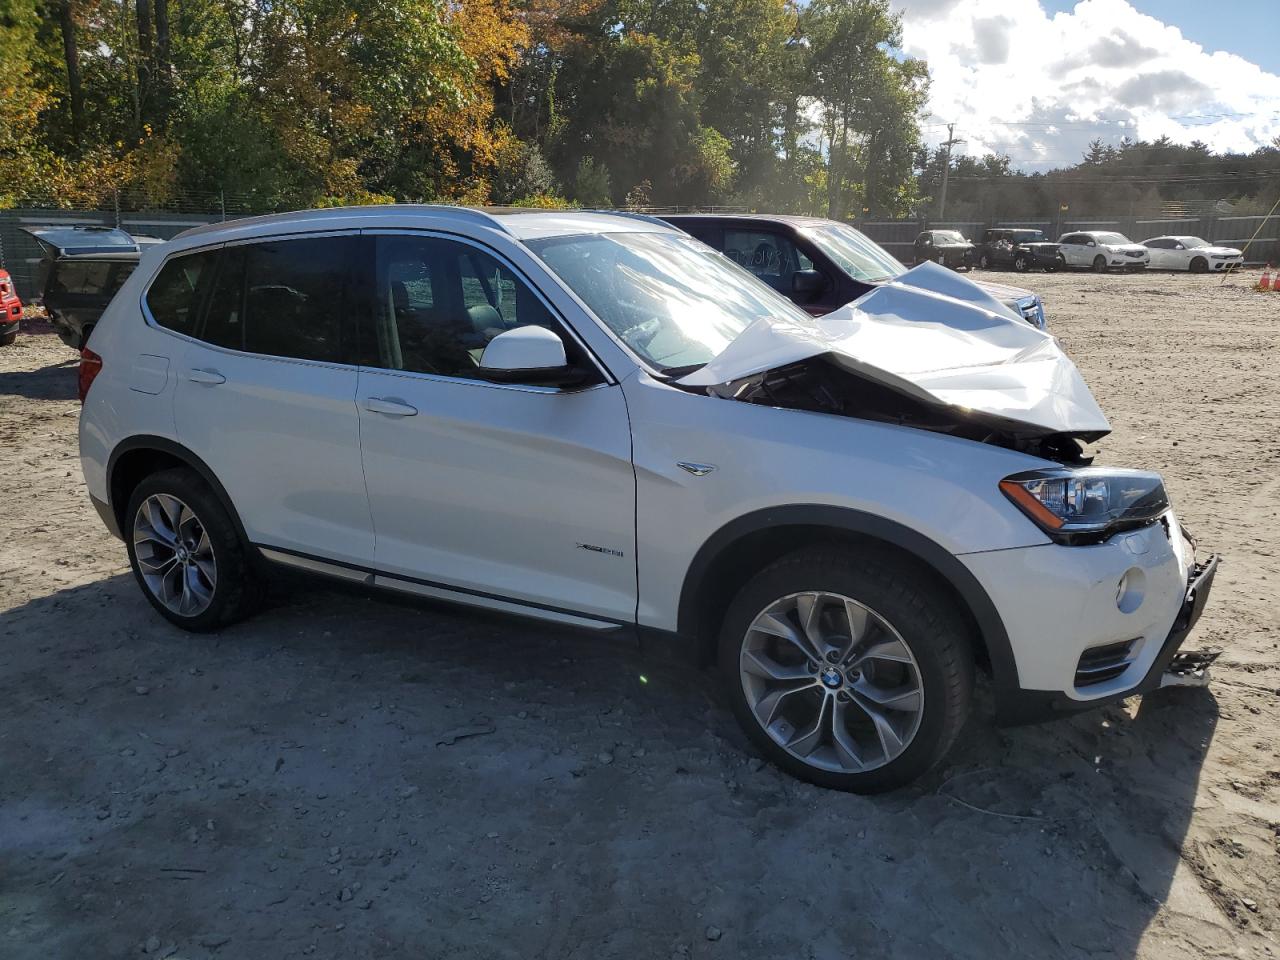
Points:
(186, 553)
(1099, 264)
(1199, 265)
(852, 673)
(984, 262)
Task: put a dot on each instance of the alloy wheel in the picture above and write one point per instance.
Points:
(174, 554)
(831, 682)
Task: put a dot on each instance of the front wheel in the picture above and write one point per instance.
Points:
(7, 338)
(1099, 264)
(1199, 265)
(851, 672)
(185, 552)
(1020, 264)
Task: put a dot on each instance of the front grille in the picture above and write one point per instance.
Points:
(1134, 253)
(1100, 664)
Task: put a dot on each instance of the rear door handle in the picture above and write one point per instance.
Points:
(392, 408)
(205, 376)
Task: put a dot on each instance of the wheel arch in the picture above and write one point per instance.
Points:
(745, 545)
(136, 458)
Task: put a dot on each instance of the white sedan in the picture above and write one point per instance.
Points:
(1191, 253)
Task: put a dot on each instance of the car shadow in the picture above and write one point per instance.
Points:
(395, 771)
(57, 381)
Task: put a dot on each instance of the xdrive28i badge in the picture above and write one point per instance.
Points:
(595, 549)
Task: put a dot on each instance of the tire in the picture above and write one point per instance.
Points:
(900, 610)
(8, 338)
(197, 601)
(1099, 264)
(1020, 264)
(984, 262)
(84, 335)
(1199, 265)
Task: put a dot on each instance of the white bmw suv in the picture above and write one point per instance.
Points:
(596, 420)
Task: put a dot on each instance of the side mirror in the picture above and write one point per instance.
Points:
(529, 355)
(807, 284)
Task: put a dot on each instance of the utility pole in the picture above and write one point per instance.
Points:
(946, 169)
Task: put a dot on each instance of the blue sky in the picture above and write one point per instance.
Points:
(1037, 80)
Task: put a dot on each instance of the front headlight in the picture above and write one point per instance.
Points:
(1087, 505)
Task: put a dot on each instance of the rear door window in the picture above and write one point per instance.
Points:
(173, 298)
(284, 298)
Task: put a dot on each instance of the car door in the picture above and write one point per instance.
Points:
(920, 249)
(510, 495)
(1075, 250)
(266, 397)
(1163, 257)
(1176, 256)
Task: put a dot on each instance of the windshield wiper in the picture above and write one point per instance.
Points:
(675, 373)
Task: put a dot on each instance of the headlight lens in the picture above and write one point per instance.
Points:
(1087, 505)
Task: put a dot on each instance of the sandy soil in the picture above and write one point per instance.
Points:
(346, 776)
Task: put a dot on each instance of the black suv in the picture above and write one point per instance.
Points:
(945, 247)
(1019, 248)
(819, 264)
(80, 272)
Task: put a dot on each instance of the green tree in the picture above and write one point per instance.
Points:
(591, 186)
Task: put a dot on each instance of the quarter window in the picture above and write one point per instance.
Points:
(439, 303)
(174, 296)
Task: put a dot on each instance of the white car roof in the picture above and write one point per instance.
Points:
(519, 223)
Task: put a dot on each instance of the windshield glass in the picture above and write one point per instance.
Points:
(1192, 242)
(855, 253)
(948, 236)
(674, 301)
(1027, 236)
(1111, 238)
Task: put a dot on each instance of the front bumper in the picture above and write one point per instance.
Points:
(1062, 606)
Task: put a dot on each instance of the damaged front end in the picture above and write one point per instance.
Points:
(930, 350)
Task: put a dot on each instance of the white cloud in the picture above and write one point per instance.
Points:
(1039, 88)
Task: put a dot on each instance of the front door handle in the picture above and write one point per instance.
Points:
(391, 407)
(205, 376)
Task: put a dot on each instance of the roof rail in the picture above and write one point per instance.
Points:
(302, 216)
(631, 214)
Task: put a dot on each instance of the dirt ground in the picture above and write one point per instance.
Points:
(346, 776)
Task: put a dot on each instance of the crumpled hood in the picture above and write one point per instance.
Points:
(939, 338)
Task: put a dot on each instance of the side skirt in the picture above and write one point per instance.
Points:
(436, 591)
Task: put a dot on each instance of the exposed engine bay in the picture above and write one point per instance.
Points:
(820, 385)
(930, 350)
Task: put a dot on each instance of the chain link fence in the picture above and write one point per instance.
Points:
(140, 214)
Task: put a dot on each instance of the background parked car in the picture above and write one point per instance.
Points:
(946, 247)
(1102, 250)
(1191, 253)
(10, 310)
(81, 271)
(1019, 248)
(820, 264)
